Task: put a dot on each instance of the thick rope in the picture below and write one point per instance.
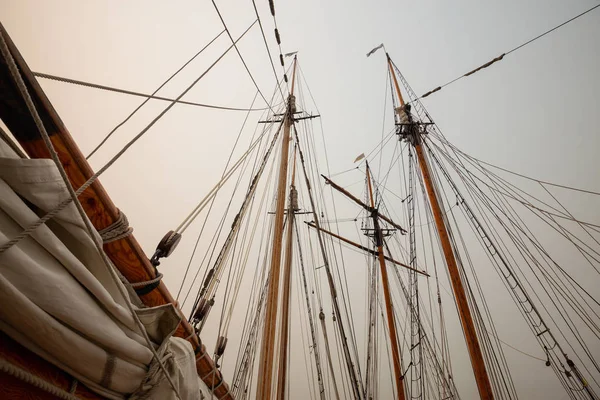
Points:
(91, 230)
(158, 278)
(33, 380)
(213, 192)
(119, 229)
(94, 177)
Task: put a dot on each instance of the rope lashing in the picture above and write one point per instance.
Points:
(142, 288)
(119, 229)
(487, 64)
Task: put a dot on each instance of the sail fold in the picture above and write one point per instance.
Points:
(60, 301)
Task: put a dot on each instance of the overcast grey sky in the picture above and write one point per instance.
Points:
(535, 112)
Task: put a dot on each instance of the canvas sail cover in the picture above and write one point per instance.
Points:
(59, 299)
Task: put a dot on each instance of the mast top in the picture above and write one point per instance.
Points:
(294, 75)
(393, 73)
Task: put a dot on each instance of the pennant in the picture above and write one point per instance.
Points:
(360, 157)
(290, 54)
(375, 49)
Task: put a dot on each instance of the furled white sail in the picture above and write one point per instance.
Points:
(60, 301)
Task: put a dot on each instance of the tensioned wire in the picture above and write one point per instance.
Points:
(94, 177)
(225, 176)
(155, 92)
(242, 58)
(348, 310)
(73, 196)
(181, 228)
(507, 53)
(521, 250)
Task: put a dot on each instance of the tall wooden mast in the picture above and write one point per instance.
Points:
(267, 355)
(386, 294)
(285, 296)
(481, 375)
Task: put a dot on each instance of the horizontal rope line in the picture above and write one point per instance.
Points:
(132, 93)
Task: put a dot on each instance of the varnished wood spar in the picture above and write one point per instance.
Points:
(267, 353)
(479, 369)
(126, 254)
(360, 203)
(365, 249)
(12, 388)
(399, 379)
(286, 293)
(481, 376)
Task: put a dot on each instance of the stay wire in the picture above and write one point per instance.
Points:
(240, 55)
(348, 311)
(128, 92)
(74, 198)
(537, 244)
(213, 200)
(550, 215)
(499, 58)
(139, 94)
(267, 47)
(94, 177)
(313, 166)
(522, 248)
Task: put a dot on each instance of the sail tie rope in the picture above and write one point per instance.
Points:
(18, 79)
(119, 229)
(33, 380)
(142, 288)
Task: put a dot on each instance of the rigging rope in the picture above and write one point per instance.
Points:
(267, 47)
(500, 57)
(94, 177)
(536, 324)
(16, 75)
(148, 98)
(138, 94)
(355, 383)
(240, 55)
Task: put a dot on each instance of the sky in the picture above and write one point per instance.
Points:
(533, 112)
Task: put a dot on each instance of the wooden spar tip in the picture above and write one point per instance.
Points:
(392, 72)
(366, 249)
(365, 206)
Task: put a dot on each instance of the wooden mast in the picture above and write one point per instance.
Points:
(479, 369)
(387, 296)
(285, 296)
(265, 372)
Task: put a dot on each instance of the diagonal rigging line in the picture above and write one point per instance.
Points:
(267, 47)
(146, 95)
(240, 55)
(93, 178)
(541, 182)
(16, 75)
(148, 98)
(500, 57)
